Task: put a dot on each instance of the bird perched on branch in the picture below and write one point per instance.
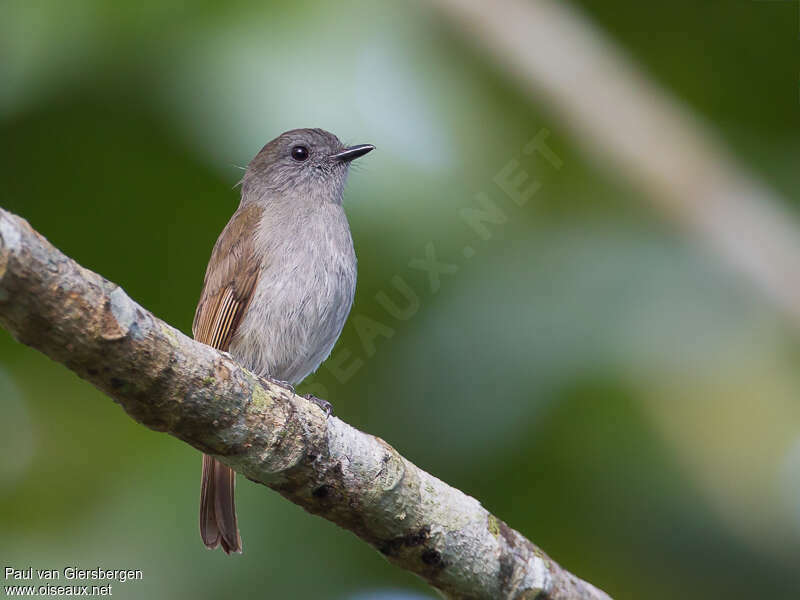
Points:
(279, 284)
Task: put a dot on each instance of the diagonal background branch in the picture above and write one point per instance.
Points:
(628, 123)
(170, 383)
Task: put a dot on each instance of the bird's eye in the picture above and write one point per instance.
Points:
(300, 153)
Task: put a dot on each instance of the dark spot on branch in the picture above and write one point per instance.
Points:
(432, 558)
(411, 540)
(418, 538)
(322, 491)
(93, 372)
(117, 383)
(506, 571)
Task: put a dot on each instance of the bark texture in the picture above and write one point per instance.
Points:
(171, 383)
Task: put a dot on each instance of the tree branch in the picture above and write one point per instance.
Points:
(168, 382)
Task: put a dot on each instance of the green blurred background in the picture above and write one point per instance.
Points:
(593, 376)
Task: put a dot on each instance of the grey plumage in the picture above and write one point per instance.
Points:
(280, 282)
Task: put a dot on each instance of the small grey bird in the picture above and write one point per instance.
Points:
(280, 283)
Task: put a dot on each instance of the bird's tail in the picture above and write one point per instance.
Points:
(218, 525)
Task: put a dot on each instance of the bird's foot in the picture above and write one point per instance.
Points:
(285, 384)
(326, 406)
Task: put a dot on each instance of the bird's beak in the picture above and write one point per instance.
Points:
(353, 152)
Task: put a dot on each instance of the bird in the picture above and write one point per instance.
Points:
(279, 284)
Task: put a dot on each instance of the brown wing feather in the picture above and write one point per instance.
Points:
(227, 291)
(229, 286)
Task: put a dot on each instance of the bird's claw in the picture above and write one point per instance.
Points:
(285, 384)
(326, 406)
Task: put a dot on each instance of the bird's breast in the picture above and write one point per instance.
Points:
(302, 297)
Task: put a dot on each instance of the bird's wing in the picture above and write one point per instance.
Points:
(228, 288)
